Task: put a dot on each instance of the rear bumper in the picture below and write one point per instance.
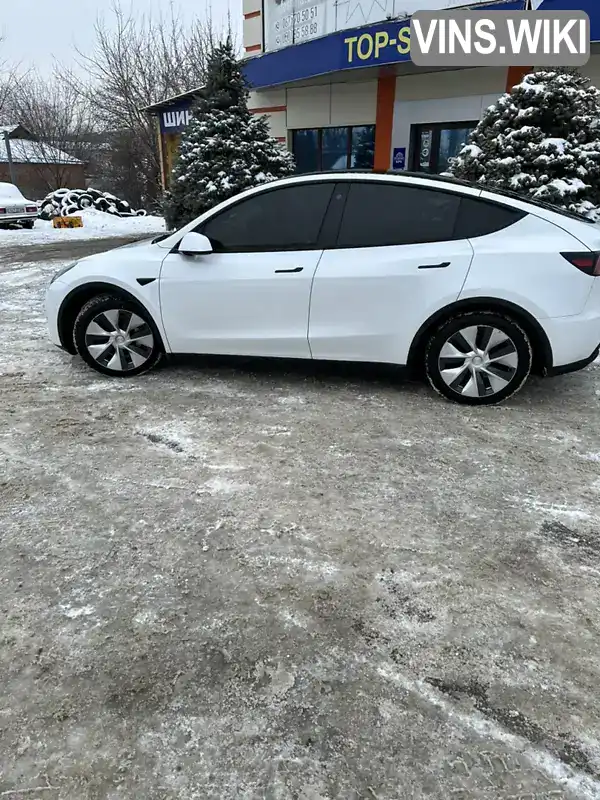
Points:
(573, 340)
(573, 366)
(7, 219)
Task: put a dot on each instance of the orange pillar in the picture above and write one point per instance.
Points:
(515, 75)
(384, 120)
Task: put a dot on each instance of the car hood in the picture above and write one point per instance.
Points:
(141, 243)
(143, 254)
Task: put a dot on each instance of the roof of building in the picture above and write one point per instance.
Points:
(174, 100)
(26, 151)
(15, 130)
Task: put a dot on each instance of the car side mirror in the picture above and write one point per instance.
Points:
(195, 244)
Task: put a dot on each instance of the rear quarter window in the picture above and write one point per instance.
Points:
(480, 218)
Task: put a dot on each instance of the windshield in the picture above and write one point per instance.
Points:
(10, 190)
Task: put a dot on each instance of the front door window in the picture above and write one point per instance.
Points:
(434, 145)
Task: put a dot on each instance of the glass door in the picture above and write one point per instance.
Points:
(433, 145)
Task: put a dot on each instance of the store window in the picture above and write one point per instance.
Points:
(433, 145)
(318, 149)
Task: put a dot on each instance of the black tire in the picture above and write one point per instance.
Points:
(72, 197)
(29, 223)
(81, 339)
(494, 386)
(85, 200)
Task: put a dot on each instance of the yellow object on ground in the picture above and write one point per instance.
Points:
(67, 222)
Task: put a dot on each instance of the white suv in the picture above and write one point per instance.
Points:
(472, 288)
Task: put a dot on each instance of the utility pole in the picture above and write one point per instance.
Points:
(11, 166)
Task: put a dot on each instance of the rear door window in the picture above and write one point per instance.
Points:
(380, 214)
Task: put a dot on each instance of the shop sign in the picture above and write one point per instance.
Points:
(289, 22)
(333, 47)
(425, 149)
(372, 46)
(399, 158)
(175, 120)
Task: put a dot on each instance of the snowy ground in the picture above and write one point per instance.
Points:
(229, 584)
(96, 225)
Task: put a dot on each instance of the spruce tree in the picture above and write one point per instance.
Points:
(225, 148)
(541, 139)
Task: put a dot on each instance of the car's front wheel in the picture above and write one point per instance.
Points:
(478, 358)
(116, 337)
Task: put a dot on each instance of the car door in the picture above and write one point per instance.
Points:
(251, 295)
(395, 261)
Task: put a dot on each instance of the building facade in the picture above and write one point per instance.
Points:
(336, 80)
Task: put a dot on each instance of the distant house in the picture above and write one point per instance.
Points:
(38, 167)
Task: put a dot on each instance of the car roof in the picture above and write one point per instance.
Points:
(354, 174)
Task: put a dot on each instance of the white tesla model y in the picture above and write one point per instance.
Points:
(471, 288)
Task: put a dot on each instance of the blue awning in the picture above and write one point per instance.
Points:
(591, 8)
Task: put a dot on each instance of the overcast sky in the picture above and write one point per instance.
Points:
(37, 31)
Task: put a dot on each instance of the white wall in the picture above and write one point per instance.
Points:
(352, 103)
(321, 106)
(252, 26)
(271, 103)
(457, 96)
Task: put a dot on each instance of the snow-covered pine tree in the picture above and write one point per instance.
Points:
(225, 149)
(542, 139)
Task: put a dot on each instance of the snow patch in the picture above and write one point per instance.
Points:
(75, 613)
(96, 225)
(291, 401)
(222, 486)
(559, 144)
(590, 456)
(553, 509)
(572, 780)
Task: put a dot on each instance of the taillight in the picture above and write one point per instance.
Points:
(2, 211)
(586, 262)
(31, 209)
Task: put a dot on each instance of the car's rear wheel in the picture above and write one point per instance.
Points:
(116, 337)
(478, 358)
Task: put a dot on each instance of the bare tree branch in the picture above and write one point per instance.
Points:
(61, 120)
(136, 62)
(10, 76)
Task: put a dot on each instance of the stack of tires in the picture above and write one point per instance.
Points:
(63, 202)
